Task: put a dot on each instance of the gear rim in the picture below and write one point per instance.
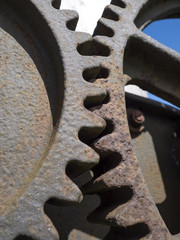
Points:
(114, 30)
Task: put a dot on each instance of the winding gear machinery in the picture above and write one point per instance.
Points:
(42, 114)
(129, 56)
(64, 91)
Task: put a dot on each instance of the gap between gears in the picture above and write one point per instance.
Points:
(126, 204)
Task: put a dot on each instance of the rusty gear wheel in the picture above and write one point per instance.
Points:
(43, 93)
(129, 56)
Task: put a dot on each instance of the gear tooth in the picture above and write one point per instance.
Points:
(127, 215)
(102, 111)
(120, 3)
(108, 23)
(95, 90)
(87, 159)
(105, 181)
(92, 65)
(8, 236)
(103, 143)
(71, 18)
(83, 37)
(91, 127)
(33, 226)
(105, 28)
(66, 193)
(112, 12)
(94, 187)
(87, 155)
(83, 42)
(93, 121)
(69, 14)
(46, 228)
(95, 95)
(104, 41)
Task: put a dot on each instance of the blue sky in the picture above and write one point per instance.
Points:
(168, 33)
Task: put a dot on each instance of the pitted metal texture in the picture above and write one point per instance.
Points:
(129, 56)
(43, 114)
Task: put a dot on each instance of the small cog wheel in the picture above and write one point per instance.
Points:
(129, 56)
(43, 92)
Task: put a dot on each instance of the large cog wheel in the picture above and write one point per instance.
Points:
(129, 56)
(43, 114)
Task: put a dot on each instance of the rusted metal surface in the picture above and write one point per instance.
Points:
(157, 150)
(42, 114)
(137, 117)
(136, 120)
(129, 56)
(71, 221)
(46, 128)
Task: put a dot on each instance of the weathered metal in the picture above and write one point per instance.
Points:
(136, 120)
(44, 121)
(137, 117)
(129, 56)
(42, 114)
(157, 152)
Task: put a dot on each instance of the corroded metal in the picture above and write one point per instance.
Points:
(42, 114)
(129, 56)
(157, 150)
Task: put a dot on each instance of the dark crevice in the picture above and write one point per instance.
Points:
(91, 102)
(107, 98)
(109, 14)
(56, 3)
(88, 134)
(75, 168)
(22, 237)
(99, 49)
(94, 107)
(116, 197)
(71, 222)
(59, 202)
(134, 232)
(103, 30)
(90, 74)
(94, 48)
(83, 48)
(71, 24)
(110, 200)
(109, 128)
(119, 3)
(103, 73)
(108, 161)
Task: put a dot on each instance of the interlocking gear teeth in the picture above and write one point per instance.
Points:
(48, 181)
(122, 176)
(112, 9)
(106, 41)
(70, 18)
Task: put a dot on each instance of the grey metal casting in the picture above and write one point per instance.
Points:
(48, 80)
(42, 114)
(130, 56)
